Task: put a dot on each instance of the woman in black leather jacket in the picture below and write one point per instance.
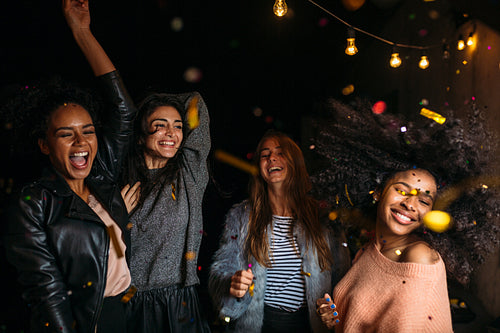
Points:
(67, 234)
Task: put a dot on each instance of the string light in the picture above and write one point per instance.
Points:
(280, 8)
(395, 61)
(460, 43)
(424, 62)
(470, 40)
(351, 48)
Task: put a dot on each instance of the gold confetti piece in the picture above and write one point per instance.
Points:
(305, 273)
(130, 293)
(414, 192)
(89, 283)
(193, 118)
(129, 226)
(437, 221)
(173, 191)
(398, 252)
(190, 255)
(227, 319)
(250, 289)
(454, 301)
(347, 194)
(333, 216)
(432, 115)
(116, 243)
(235, 162)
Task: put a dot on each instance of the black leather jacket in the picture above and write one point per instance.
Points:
(56, 241)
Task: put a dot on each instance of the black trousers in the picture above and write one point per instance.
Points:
(112, 318)
(280, 321)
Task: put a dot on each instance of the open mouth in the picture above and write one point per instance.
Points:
(79, 159)
(274, 169)
(167, 143)
(402, 218)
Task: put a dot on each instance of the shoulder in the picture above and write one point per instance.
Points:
(420, 253)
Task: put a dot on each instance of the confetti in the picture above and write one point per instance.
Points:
(344, 244)
(193, 118)
(398, 252)
(305, 273)
(414, 192)
(432, 115)
(333, 215)
(347, 90)
(379, 107)
(437, 221)
(177, 24)
(193, 75)
(249, 265)
(130, 293)
(129, 226)
(190, 255)
(250, 289)
(236, 162)
(115, 241)
(227, 319)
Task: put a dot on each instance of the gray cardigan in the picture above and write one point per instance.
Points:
(247, 314)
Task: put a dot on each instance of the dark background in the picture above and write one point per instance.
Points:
(249, 60)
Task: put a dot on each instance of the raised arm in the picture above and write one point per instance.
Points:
(119, 111)
(77, 16)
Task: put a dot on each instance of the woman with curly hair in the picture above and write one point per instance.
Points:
(276, 256)
(67, 233)
(394, 173)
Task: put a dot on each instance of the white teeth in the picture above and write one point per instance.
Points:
(403, 217)
(166, 143)
(274, 169)
(83, 153)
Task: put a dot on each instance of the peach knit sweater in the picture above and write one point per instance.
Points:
(380, 295)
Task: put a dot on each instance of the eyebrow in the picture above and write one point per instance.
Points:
(165, 120)
(277, 147)
(423, 192)
(72, 128)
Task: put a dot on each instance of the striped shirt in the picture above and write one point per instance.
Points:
(285, 287)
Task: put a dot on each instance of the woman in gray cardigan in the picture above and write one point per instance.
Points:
(276, 257)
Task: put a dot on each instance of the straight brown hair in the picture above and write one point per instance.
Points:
(303, 207)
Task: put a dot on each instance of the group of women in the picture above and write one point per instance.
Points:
(108, 239)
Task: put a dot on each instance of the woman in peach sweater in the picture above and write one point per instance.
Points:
(394, 172)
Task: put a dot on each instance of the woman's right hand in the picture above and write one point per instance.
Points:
(327, 311)
(240, 282)
(130, 195)
(77, 14)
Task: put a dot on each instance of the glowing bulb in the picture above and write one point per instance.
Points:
(424, 62)
(470, 40)
(460, 43)
(395, 61)
(351, 48)
(280, 8)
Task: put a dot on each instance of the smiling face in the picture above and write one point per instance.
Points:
(165, 136)
(406, 198)
(272, 163)
(70, 142)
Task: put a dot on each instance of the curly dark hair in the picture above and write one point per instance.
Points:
(358, 151)
(27, 111)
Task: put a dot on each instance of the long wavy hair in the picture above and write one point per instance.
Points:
(303, 207)
(359, 151)
(136, 168)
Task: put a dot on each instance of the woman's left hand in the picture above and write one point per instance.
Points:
(327, 311)
(130, 195)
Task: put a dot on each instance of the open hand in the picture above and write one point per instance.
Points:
(130, 195)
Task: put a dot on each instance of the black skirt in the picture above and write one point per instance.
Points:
(170, 309)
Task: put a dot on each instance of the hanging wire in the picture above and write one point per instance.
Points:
(408, 46)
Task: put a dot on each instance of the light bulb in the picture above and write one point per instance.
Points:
(460, 43)
(351, 48)
(424, 62)
(470, 40)
(395, 61)
(280, 8)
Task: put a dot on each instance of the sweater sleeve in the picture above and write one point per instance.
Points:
(228, 260)
(196, 145)
(118, 122)
(27, 248)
